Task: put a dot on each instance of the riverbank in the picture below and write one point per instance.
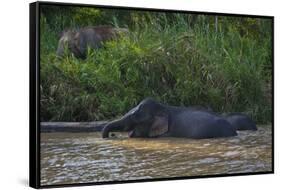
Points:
(95, 126)
(80, 127)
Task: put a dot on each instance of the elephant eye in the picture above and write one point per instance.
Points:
(136, 116)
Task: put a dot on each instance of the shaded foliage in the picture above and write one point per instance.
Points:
(179, 59)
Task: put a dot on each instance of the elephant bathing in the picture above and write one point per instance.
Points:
(153, 119)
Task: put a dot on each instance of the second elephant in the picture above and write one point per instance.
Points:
(77, 41)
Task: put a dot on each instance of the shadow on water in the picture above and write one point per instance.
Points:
(86, 157)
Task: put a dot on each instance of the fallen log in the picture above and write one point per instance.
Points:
(48, 127)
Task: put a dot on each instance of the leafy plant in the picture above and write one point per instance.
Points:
(178, 59)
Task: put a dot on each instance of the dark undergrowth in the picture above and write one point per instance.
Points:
(176, 59)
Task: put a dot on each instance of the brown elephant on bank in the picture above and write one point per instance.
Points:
(77, 41)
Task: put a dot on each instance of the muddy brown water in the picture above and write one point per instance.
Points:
(68, 158)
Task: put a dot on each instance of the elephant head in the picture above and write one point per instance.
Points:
(66, 42)
(148, 119)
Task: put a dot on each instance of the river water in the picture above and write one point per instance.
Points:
(68, 158)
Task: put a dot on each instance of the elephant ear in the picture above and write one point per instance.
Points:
(159, 126)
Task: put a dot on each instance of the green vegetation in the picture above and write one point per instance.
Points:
(178, 59)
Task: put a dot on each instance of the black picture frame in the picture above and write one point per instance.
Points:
(34, 92)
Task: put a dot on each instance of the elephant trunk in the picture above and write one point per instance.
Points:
(116, 125)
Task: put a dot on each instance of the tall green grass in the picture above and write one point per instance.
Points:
(168, 59)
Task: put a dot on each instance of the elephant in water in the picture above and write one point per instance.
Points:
(77, 41)
(153, 119)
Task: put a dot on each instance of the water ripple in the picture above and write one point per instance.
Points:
(85, 157)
